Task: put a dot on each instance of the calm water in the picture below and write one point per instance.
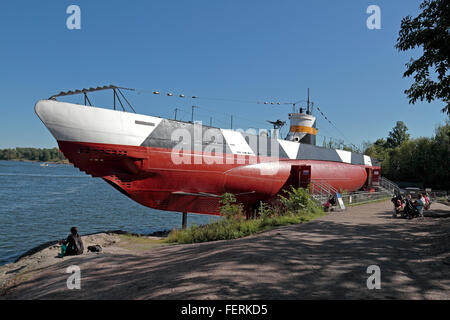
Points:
(39, 204)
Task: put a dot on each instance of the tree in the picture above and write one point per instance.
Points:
(429, 30)
(397, 136)
(31, 154)
(422, 160)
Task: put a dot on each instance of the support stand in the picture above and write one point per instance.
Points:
(184, 221)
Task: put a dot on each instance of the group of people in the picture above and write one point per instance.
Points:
(422, 202)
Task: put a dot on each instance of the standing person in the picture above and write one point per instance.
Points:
(73, 245)
(429, 200)
(426, 201)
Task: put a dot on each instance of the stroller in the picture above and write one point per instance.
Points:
(410, 211)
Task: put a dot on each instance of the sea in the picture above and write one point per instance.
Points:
(41, 203)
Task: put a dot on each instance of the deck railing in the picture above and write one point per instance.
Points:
(389, 185)
(322, 191)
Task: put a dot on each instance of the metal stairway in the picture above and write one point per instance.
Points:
(321, 191)
(389, 186)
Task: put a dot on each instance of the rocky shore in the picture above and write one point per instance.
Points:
(47, 254)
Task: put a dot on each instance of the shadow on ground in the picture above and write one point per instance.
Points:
(323, 259)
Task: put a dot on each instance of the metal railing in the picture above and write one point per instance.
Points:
(365, 197)
(389, 185)
(115, 89)
(321, 191)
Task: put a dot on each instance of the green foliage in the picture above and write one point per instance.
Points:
(32, 154)
(265, 211)
(398, 135)
(229, 208)
(422, 160)
(297, 201)
(219, 230)
(234, 226)
(430, 31)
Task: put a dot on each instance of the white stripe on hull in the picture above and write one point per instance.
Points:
(346, 156)
(72, 122)
(237, 142)
(367, 161)
(291, 148)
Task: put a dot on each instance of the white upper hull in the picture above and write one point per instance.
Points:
(73, 122)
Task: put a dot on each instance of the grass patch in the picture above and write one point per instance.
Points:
(296, 207)
(136, 239)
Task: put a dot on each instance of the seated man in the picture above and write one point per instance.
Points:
(73, 245)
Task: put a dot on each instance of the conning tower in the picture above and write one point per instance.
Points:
(302, 126)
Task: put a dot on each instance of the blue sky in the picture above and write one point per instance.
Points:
(243, 50)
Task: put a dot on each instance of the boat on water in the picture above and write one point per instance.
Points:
(184, 166)
(44, 164)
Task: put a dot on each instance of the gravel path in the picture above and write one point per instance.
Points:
(323, 259)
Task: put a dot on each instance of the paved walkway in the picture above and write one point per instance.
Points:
(323, 259)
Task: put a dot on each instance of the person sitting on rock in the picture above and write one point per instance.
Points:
(73, 245)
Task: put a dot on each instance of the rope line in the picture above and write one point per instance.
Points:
(345, 137)
(267, 102)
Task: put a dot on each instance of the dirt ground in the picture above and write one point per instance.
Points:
(323, 259)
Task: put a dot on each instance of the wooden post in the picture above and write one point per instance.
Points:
(184, 221)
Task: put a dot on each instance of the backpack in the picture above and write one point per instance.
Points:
(95, 248)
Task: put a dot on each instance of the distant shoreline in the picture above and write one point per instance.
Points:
(44, 155)
(65, 161)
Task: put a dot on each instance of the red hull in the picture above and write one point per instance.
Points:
(149, 176)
